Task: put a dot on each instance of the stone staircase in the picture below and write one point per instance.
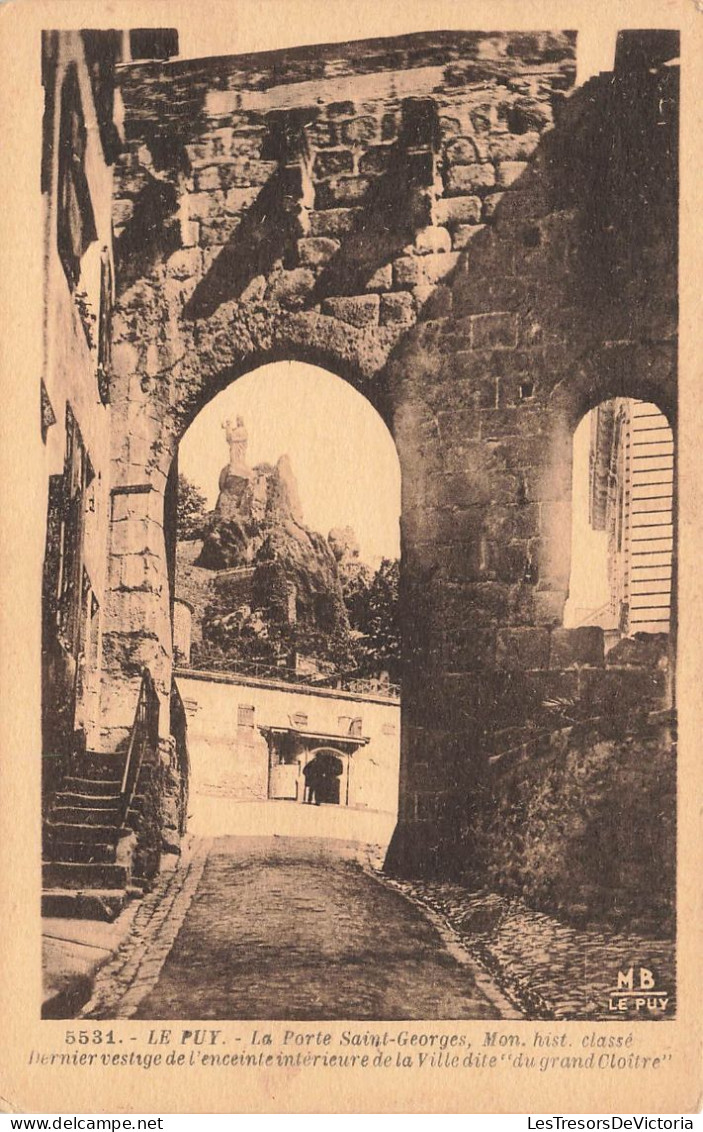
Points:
(84, 873)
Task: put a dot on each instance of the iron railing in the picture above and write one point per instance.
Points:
(144, 737)
(344, 682)
(179, 731)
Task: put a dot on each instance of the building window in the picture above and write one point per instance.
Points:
(78, 474)
(299, 719)
(355, 726)
(245, 715)
(105, 326)
(76, 229)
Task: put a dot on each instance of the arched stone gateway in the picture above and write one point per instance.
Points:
(439, 221)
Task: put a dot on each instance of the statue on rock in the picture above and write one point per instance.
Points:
(236, 478)
(237, 438)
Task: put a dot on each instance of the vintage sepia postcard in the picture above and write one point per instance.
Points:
(350, 592)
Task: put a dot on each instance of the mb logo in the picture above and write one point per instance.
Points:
(636, 992)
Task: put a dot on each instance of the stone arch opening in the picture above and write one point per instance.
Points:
(290, 553)
(622, 561)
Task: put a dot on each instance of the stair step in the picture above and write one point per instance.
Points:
(106, 787)
(72, 874)
(83, 852)
(92, 801)
(88, 904)
(99, 766)
(79, 831)
(78, 815)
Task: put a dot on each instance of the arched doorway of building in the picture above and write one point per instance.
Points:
(284, 503)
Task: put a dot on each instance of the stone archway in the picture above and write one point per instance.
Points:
(441, 226)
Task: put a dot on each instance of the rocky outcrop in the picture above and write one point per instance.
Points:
(276, 585)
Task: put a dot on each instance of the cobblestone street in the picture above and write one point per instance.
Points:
(550, 968)
(268, 928)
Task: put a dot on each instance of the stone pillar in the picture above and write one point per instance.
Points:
(138, 624)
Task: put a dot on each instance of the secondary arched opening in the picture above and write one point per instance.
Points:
(622, 561)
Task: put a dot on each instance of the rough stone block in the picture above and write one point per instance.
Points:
(358, 310)
(508, 172)
(359, 131)
(185, 263)
(332, 162)
(522, 648)
(509, 561)
(322, 134)
(207, 179)
(190, 233)
(576, 647)
(458, 210)
(137, 572)
(254, 291)
(491, 205)
(467, 650)
(381, 280)
(245, 172)
(292, 288)
(528, 115)
(438, 266)
(437, 303)
(127, 506)
(463, 234)
(125, 359)
(342, 192)
(617, 692)
(239, 200)
(433, 239)
(462, 179)
(408, 271)
(397, 309)
(390, 124)
(513, 521)
(140, 536)
(377, 159)
(203, 205)
(340, 109)
(463, 151)
(122, 211)
(217, 231)
(131, 182)
(449, 127)
(497, 331)
(513, 147)
(317, 250)
(334, 221)
(549, 606)
(644, 650)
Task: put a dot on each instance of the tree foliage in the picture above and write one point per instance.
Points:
(374, 613)
(192, 509)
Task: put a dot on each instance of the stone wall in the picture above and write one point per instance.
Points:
(574, 807)
(438, 220)
(583, 823)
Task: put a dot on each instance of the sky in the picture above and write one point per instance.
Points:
(588, 588)
(342, 454)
